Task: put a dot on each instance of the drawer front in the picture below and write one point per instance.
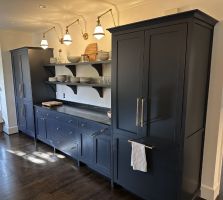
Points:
(69, 120)
(94, 126)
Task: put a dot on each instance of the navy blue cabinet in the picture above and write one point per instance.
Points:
(159, 95)
(29, 77)
(84, 140)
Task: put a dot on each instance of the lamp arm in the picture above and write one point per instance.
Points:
(110, 10)
(48, 30)
(77, 20)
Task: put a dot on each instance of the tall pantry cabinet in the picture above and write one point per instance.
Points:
(160, 70)
(29, 76)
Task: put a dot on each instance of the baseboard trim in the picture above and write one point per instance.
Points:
(10, 130)
(209, 193)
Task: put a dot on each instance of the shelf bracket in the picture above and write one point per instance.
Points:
(72, 68)
(99, 90)
(73, 87)
(98, 68)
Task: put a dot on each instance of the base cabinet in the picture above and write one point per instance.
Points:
(83, 140)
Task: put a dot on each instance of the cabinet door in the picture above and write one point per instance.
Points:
(158, 183)
(53, 131)
(86, 146)
(127, 82)
(40, 127)
(165, 52)
(29, 118)
(21, 73)
(17, 74)
(20, 112)
(102, 153)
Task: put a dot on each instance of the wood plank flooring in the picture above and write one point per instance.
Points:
(29, 173)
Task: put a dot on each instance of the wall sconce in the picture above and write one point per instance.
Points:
(98, 31)
(44, 42)
(67, 37)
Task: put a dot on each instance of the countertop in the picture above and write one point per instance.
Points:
(93, 113)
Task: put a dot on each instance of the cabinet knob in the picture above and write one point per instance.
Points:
(82, 125)
(57, 117)
(58, 129)
(71, 132)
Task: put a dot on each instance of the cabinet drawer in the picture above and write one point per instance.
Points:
(94, 126)
(69, 120)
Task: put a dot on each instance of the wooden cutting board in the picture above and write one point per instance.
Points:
(92, 50)
(52, 103)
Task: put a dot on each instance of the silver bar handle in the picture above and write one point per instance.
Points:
(137, 111)
(142, 113)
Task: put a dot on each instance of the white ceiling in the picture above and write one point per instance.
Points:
(27, 16)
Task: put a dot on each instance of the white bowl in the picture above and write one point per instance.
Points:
(61, 78)
(103, 55)
(85, 79)
(73, 59)
(52, 79)
(74, 79)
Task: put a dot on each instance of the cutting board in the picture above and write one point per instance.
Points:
(52, 103)
(92, 50)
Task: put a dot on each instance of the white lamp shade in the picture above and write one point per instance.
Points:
(67, 39)
(44, 44)
(99, 32)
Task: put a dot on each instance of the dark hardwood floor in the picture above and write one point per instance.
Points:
(29, 173)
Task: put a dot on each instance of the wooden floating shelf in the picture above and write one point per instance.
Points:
(72, 66)
(73, 86)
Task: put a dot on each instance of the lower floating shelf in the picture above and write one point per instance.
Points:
(73, 86)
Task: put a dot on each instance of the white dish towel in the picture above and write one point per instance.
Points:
(138, 157)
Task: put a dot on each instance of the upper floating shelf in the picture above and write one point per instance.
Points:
(79, 63)
(72, 66)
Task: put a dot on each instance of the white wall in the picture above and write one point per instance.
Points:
(213, 138)
(10, 40)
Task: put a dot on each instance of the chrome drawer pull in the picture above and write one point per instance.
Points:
(137, 112)
(142, 113)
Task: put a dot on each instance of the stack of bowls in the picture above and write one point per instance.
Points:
(74, 79)
(61, 78)
(73, 59)
(85, 79)
(52, 79)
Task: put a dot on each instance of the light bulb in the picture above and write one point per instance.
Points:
(44, 44)
(67, 40)
(99, 32)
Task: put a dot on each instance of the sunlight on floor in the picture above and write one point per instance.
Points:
(37, 157)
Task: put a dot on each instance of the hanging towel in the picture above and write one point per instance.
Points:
(138, 157)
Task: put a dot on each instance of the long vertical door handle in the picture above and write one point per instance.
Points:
(137, 112)
(142, 113)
